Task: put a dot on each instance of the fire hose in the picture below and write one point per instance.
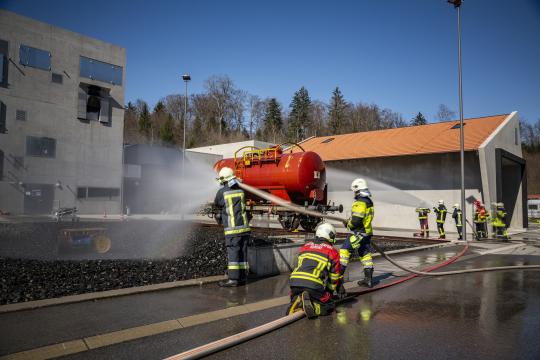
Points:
(230, 341)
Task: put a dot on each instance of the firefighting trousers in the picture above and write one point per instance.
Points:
(424, 227)
(501, 232)
(354, 243)
(481, 231)
(460, 231)
(440, 228)
(322, 300)
(237, 267)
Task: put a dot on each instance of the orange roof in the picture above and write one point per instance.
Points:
(533, 197)
(412, 140)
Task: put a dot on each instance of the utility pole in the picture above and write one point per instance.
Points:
(457, 6)
(186, 79)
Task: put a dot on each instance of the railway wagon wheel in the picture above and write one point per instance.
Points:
(309, 223)
(102, 243)
(289, 222)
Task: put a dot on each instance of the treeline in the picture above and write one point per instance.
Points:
(224, 113)
(530, 142)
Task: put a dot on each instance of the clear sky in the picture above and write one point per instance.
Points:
(395, 53)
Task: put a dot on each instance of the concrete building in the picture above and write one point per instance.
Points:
(416, 165)
(533, 206)
(228, 150)
(61, 119)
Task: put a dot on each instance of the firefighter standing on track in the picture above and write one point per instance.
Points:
(441, 218)
(480, 220)
(317, 275)
(457, 215)
(499, 222)
(230, 200)
(423, 219)
(360, 224)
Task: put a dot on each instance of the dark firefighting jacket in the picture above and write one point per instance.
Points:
(441, 214)
(318, 267)
(231, 202)
(422, 213)
(458, 217)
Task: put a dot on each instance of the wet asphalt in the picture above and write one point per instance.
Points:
(492, 315)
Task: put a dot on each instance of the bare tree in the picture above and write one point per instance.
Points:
(256, 108)
(444, 113)
(220, 88)
(319, 118)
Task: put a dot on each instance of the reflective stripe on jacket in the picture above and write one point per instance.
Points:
(458, 217)
(441, 213)
(422, 213)
(318, 267)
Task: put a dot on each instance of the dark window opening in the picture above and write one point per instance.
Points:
(97, 193)
(57, 78)
(93, 108)
(40, 147)
(4, 60)
(94, 104)
(36, 58)
(20, 115)
(3, 128)
(457, 126)
(327, 140)
(533, 207)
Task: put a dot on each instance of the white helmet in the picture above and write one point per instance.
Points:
(326, 231)
(456, 206)
(225, 175)
(441, 202)
(360, 186)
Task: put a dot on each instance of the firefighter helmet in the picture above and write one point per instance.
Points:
(441, 202)
(226, 174)
(456, 206)
(327, 232)
(359, 184)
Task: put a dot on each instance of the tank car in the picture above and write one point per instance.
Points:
(298, 177)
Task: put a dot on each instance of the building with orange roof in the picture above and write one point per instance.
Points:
(418, 165)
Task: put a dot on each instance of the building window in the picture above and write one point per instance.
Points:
(40, 146)
(3, 128)
(327, 140)
(97, 193)
(94, 104)
(57, 78)
(4, 60)
(533, 207)
(37, 58)
(20, 115)
(102, 71)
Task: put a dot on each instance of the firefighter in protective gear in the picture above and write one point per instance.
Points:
(457, 215)
(230, 201)
(499, 222)
(480, 220)
(423, 219)
(317, 275)
(440, 212)
(360, 224)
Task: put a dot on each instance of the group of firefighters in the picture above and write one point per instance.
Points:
(317, 280)
(481, 218)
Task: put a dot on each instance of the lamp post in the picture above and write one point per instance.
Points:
(186, 79)
(457, 6)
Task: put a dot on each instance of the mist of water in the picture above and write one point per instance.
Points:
(340, 180)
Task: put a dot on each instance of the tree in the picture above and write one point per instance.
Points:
(299, 117)
(419, 119)
(256, 109)
(166, 133)
(444, 113)
(220, 89)
(337, 113)
(319, 117)
(144, 119)
(273, 122)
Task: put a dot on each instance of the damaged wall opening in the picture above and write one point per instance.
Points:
(94, 104)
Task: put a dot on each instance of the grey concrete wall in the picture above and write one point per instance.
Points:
(400, 184)
(87, 154)
(504, 137)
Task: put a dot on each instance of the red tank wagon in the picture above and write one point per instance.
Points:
(297, 177)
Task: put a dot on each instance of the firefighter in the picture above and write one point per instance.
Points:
(360, 224)
(440, 211)
(480, 220)
(423, 219)
(457, 215)
(499, 222)
(230, 201)
(317, 275)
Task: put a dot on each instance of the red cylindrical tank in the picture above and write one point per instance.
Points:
(301, 175)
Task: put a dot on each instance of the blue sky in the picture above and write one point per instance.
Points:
(395, 53)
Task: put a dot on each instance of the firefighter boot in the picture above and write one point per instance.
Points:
(368, 278)
(295, 305)
(308, 306)
(228, 283)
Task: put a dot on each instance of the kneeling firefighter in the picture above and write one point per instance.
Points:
(317, 275)
(230, 200)
(360, 224)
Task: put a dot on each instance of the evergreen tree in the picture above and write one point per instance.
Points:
(166, 132)
(160, 107)
(418, 120)
(337, 112)
(299, 117)
(273, 122)
(144, 119)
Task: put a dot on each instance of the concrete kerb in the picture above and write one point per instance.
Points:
(108, 294)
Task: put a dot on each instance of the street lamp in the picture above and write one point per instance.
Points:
(186, 79)
(457, 5)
